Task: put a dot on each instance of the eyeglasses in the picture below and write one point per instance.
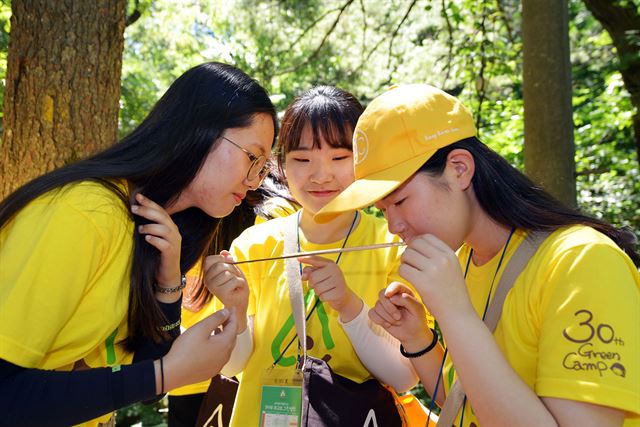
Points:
(259, 167)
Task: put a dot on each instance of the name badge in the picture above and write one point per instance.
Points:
(281, 399)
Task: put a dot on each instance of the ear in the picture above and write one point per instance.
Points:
(460, 168)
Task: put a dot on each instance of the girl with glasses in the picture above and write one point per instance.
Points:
(201, 400)
(93, 255)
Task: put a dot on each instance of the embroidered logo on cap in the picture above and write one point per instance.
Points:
(361, 146)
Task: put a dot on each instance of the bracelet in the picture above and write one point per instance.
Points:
(181, 286)
(424, 350)
(161, 377)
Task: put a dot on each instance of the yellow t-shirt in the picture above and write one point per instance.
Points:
(65, 261)
(277, 207)
(570, 327)
(366, 273)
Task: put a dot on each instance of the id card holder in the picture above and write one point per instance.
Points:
(281, 397)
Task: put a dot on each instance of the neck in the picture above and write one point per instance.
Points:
(329, 232)
(487, 238)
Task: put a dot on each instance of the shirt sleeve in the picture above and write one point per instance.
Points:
(49, 255)
(241, 352)
(385, 362)
(36, 397)
(589, 346)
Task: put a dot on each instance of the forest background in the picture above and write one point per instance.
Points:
(474, 49)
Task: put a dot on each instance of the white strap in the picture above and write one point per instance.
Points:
(516, 264)
(294, 280)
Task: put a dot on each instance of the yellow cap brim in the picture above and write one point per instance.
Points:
(366, 191)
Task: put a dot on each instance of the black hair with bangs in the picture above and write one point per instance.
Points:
(332, 114)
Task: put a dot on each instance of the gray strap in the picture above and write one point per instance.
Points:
(513, 269)
(292, 269)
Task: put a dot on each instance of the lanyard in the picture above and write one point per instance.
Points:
(317, 301)
(484, 313)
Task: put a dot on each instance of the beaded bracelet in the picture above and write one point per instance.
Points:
(423, 351)
(181, 286)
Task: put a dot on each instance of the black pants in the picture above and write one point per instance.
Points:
(183, 410)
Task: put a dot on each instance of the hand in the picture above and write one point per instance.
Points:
(401, 314)
(226, 282)
(199, 354)
(327, 280)
(163, 234)
(433, 269)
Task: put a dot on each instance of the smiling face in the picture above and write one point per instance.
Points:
(222, 182)
(317, 174)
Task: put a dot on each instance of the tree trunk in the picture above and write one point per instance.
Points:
(548, 121)
(622, 22)
(62, 85)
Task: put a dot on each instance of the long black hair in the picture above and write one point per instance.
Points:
(512, 199)
(159, 159)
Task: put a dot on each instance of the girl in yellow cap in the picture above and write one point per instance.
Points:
(566, 350)
(315, 149)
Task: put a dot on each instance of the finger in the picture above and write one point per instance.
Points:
(411, 275)
(377, 319)
(220, 274)
(230, 260)
(414, 258)
(145, 201)
(160, 230)
(408, 302)
(230, 326)
(212, 260)
(381, 310)
(396, 288)
(314, 260)
(210, 323)
(389, 310)
(306, 272)
(227, 256)
(437, 243)
(152, 214)
(222, 283)
(322, 274)
(428, 245)
(324, 293)
(158, 242)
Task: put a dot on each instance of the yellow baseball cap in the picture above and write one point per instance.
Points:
(397, 133)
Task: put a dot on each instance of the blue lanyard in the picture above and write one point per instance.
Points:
(317, 301)
(484, 313)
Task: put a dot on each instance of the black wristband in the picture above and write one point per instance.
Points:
(426, 350)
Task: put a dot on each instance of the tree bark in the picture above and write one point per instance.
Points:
(62, 85)
(549, 150)
(621, 19)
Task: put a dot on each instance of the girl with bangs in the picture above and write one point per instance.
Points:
(315, 153)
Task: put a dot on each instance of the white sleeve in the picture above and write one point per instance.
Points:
(379, 352)
(241, 352)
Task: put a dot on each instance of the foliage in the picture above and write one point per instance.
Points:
(152, 415)
(608, 173)
(169, 38)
